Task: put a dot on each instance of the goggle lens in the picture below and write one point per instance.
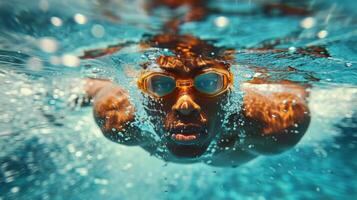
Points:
(209, 83)
(161, 85)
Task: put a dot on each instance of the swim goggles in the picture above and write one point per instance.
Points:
(208, 83)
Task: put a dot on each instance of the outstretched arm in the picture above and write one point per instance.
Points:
(113, 112)
(275, 114)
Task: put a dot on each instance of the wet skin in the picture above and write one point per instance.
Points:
(274, 114)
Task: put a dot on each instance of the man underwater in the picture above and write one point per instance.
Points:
(185, 94)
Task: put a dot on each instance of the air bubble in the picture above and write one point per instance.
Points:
(98, 31)
(82, 171)
(56, 21)
(15, 189)
(292, 49)
(34, 64)
(308, 22)
(80, 19)
(221, 21)
(348, 64)
(322, 34)
(26, 91)
(70, 60)
(48, 44)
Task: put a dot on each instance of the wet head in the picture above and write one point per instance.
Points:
(186, 92)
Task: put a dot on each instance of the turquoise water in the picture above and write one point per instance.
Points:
(52, 149)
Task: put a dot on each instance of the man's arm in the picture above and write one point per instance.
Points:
(275, 114)
(113, 112)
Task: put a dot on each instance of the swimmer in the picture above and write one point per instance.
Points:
(185, 93)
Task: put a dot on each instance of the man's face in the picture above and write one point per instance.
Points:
(185, 119)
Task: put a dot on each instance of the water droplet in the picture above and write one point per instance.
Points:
(129, 185)
(26, 91)
(292, 49)
(101, 181)
(308, 22)
(55, 60)
(70, 60)
(261, 198)
(322, 34)
(79, 154)
(82, 171)
(71, 148)
(48, 44)
(127, 166)
(56, 21)
(43, 5)
(34, 64)
(348, 64)
(80, 19)
(221, 21)
(98, 31)
(15, 189)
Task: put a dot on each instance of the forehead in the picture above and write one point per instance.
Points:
(187, 67)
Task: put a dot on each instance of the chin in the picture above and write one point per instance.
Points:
(189, 140)
(187, 150)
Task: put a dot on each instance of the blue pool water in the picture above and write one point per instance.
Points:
(52, 149)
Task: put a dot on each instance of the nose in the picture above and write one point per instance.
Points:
(185, 105)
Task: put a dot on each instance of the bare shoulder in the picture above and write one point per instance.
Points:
(276, 114)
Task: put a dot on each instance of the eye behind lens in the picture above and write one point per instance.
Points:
(160, 85)
(209, 83)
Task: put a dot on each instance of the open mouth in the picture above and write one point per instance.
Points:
(187, 134)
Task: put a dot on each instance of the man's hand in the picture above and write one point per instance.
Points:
(112, 109)
(113, 112)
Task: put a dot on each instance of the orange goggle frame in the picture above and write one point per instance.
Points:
(186, 83)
